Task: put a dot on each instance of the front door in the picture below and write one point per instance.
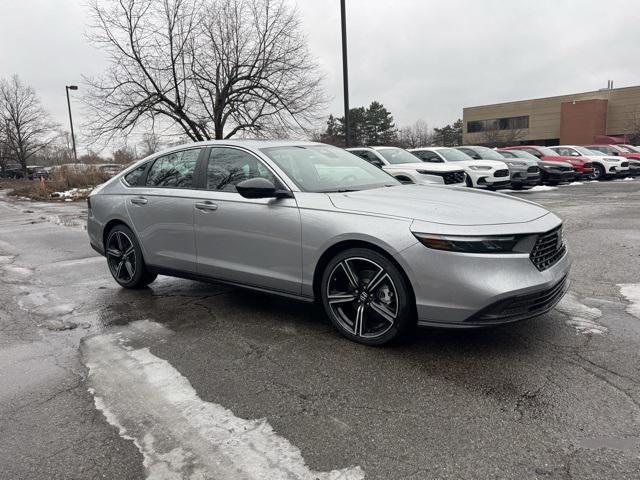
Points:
(256, 242)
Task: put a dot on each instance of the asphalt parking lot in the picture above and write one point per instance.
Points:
(192, 380)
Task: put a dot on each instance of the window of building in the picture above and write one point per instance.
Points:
(507, 123)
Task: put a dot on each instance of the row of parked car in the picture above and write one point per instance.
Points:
(517, 167)
(35, 172)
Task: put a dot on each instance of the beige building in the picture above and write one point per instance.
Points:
(581, 118)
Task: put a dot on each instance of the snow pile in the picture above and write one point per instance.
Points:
(542, 188)
(180, 435)
(631, 291)
(574, 183)
(581, 317)
(73, 194)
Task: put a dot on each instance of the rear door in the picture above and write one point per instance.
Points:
(161, 210)
(256, 242)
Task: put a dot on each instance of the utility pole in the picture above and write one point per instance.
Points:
(345, 75)
(73, 137)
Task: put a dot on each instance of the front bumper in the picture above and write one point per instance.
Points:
(458, 290)
(494, 182)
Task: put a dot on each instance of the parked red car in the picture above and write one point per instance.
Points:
(582, 166)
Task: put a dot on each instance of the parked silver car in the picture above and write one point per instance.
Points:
(314, 222)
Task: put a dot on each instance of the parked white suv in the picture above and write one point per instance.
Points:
(480, 173)
(408, 168)
(604, 166)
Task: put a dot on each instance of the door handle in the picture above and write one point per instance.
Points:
(206, 206)
(139, 201)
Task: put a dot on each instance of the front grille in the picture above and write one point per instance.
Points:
(453, 177)
(624, 164)
(588, 165)
(501, 173)
(533, 170)
(549, 248)
(520, 307)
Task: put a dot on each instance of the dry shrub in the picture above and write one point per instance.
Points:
(59, 181)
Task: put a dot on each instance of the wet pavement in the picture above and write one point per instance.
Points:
(166, 375)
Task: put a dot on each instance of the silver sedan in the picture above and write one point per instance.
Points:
(313, 222)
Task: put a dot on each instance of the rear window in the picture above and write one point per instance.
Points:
(134, 176)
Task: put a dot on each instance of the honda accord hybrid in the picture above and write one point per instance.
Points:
(316, 223)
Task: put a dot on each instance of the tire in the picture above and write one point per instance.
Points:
(372, 316)
(127, 269)
(468, 181)
(598, 172)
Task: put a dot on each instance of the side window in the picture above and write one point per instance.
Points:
(134, 176)
(470, 152)
(174, 170)
(428, 156)
(229, 166)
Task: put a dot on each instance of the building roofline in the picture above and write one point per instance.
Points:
(601, 91)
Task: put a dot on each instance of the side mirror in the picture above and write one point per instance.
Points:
(376, 163)
(260, 188)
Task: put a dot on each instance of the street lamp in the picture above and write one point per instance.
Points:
(73, 137)
(345, 73)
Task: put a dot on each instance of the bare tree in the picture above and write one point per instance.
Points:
(27, 127)
(492, 136)
(416, 135)
(632, 128)
(210, 68)
(151, 143)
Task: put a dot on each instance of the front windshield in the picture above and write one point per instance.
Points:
(627, 149)
(453, 155)
(323, 168)
(522, 154)
(397, 155)
(547, 152)
(586, 151)
(488, 154)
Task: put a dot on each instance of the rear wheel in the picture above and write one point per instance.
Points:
(366, 297)
(124, 258)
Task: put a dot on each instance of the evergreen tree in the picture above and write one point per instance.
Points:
(379, 126)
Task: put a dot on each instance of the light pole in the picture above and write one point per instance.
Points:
(73, 137)
(345, 74)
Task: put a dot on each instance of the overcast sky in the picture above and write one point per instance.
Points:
(423, 59)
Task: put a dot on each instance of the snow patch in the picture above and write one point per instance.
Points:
(537, 188)
(180, 435)
(581, 317)
(574, 183)
(631, 291)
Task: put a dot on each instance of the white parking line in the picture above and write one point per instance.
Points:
(180, 435)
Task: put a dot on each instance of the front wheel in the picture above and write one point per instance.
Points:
(124, 257)
(598, 172)
(366, 297)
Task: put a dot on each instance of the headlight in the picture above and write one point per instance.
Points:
(517, 164)
(479, 167)
(472, 244)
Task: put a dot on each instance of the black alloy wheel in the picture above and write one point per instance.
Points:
(366, 297)
(124, 258)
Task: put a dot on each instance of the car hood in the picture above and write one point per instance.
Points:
(434, 167)
(607, 158)
(449, 206)
(547, 163)
(481, 163)
(566, 158)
